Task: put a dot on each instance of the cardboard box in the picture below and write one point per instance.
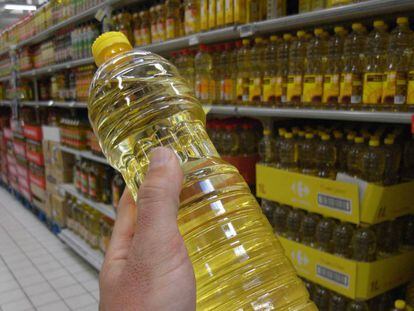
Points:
(346, 201)
(63, 176)
(58, 210)
(356, 280)
(32, 132)
(59, 159)
(51, 187)
(37, 191)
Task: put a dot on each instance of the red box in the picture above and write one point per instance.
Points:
(12, 170)
(22, 171)
(26, 193)
(19, 148)
(33, 132)
(38, 181)
(11, 159)
(35, 157)
(24, 182)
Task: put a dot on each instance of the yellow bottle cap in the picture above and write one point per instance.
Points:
(338, 135)
(374, 142)
(350, 136)
(389, 141)
(108, 45)
(301, 133)
(379, 23)
(288, 135)
(258, 40)
(274, 38)
(301, 33)
(400, 304)
(245, 41)
(339, 29)
(287, 37)
(357, 26)
(402, 20)
(318, 31)
(359, 140)
(267, 132)
(309, 136)
(325, 137)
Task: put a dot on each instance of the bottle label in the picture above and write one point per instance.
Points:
(202, 88)
(145, 36)
(312, 88)
(351, 88)
(372, 90)
(395, 88)
(227, 89)
(410, 91)
(204, 14)
(239, 11)
(211, 14)
(281, 89)
(255, 88)
(229, 11)
(212, 90)
(170, 25)
(92, 186)
(242, 89)
(191, 19)
(220, 13)
(294, 88)
(331, 88)
(269, 89)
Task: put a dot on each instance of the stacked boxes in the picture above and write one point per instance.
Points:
(20, 160)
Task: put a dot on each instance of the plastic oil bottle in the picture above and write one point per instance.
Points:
(373, 162)
(293, 223)
(306, 155)
(357, 305)
(220, 255)
(375, 65)
(297, 54)
(354, 157)
(270, 58)
(387, 243)
(344, 151)
(326, 155)
(364, 244)
(323, 234)
(282, 69)
(243, 72)
(313, 78)
(172, 19)
(321, 297)
(337, 302)
(341, 239)
(145, 27)
(308, 228)
(203, 64)
(392, 154)
(280, 215)
(410, 85)
(351, 77)
(155, 36)
(333, 69)
(288, 153)
(267, 147)
(256, 73)
(191, 16)
(394, 94)
(335, 3)
(305, 6)
(226, 83)
(408, 159)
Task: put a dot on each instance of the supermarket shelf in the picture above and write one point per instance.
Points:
(56, 67)
(4, 51)
(74, 20)
(105, 209)
(79, 246)
(344, 115)
(84, 154)
(52, 103)
(5, 103)
(5, 78)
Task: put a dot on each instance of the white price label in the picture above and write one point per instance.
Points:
(193, 40)
(246, 30)
(100, 15)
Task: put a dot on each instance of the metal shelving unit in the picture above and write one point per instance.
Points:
(53, 68)
(6, 103)
(301, 113)
(53, 103)
(84, 154)
(5, 78)
(79, 246)
(105, 209)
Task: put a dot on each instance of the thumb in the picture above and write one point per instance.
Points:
(158, 202)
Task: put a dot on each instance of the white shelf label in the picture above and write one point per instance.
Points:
(100, 15)
(246, 30)
(193, 40)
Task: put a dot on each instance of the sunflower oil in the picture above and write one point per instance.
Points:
(138, 101)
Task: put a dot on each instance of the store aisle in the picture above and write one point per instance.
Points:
(37, 271)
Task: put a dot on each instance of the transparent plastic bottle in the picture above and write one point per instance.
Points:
(297, 56)
(364, 244)
(248, 143)
(227, 83)
(388, 238)
(280, 215)
(375, 65)
(357, 305)
(305, 6)
(288, 153)
(341, 239)
(282, 69)
(191, 16)
(203, 64)
(373, 162)
(172, 19)
(306, 155)
(321, 297)
(308, 228)
(394, 93)
(270, 63)
(343, 152)
(335, 3)
(333, 69)
(323, 234)
(351, 77)
(337, 302)
(267, 209)
(313, 78)
(392, 153)
(230, 140)
(155, 36)
(407, 236)
(326, 155)
(267, 148)
(293, 224)
(279, 140)
(243, 72)
(256, 72)
(318, 5)
(410, 85)
(354, 157)
(222, 264)
(145, 27)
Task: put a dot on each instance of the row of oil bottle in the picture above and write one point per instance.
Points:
(327, 300)
(360, 243)
(356, 70)
(91, 225)
(98, 182)
(376, 154)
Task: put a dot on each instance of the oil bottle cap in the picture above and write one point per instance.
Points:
(295, 130)
(282, 131)
(374, 142)
(288, 135)
(274, 38)
(318, 31)
(266, 132)
(325, 137)
(357, 26)
(301, 33)
(400, 304)
(389, 141)
(339, 29)
(301, 133)
(402, 20)
(379, 23)
(245, 41)
(359, 140)
(287, 37)
(108, 45)
(350, 136)
(338, 135)
(309, 136)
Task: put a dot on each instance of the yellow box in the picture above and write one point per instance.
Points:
(356, 280)
(337, 199)
(58, 209)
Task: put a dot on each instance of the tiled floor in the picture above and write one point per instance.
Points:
(37, 271)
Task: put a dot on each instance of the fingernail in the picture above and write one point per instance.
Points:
(159, 156)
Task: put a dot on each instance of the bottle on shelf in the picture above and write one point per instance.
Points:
(172, 19)
(192, 16)
(282, 69)
(364, 244)
(280, 215)
(145, 30)
(308, 229)
(243, 72)
(337, 302)
(326, 155)
(354, 157)
(228, 82)
(270, 57)
(388, 237)
(373, 162)
(267, 148)
(341, 239)
(323, 234)
(297, 55)
(293, 223)
(306, 155)
(357, 305)
(305, 6)
(155, 36)
(267, 209)
(321, 297)
(84, 178)
(288, 153)
(255, 73)
(203, 63)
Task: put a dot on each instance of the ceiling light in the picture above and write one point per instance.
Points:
(20, 7)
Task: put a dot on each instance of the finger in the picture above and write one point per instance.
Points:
(158, 202)
(124, 228)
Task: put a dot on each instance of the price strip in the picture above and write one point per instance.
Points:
(246, 30)
(193, 40)
(100, 15)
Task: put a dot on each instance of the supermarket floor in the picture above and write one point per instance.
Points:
(37, 271)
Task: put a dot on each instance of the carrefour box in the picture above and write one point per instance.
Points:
(356, 280)
(358, 202)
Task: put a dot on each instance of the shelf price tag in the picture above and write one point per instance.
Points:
(412, 124)
(100, 14)
(193, 40)
(206, 108)
(246, 30)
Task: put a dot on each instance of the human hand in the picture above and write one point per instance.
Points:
(147, 266)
